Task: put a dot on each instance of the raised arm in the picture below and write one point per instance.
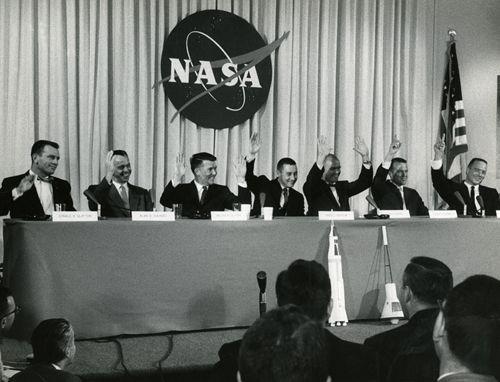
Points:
(169, 195)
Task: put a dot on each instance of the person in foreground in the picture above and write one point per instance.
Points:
(53, 343)
(284, 345)
(306, 284)
(277, 193)
(203, 195)
(406, 353)
(469, 189)
(36, 192)
(392, 193)
(115, 194)
(467, 332)
(8, 311)
(324, 191)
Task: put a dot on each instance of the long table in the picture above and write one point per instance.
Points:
(115, 277)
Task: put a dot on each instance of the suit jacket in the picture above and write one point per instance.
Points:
(468, 377)
(320, 197)
(446, 189)
(112, 205)
(407, 353)
(348, 361)
(44, 373)
(218, 198)
(388, 197)
(272, 191)
(28, 204)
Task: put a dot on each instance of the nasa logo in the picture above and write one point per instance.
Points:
(216, 69)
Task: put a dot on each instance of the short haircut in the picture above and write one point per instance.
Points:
(472, 323)
(197, 159)
(122, 153)
(5, 293)
(307, 285)
(476, 159)
(430, 280)
(332, 156)
(284, 161)
(284, 345)
(396, 160)
(52, 340)
(38, 146)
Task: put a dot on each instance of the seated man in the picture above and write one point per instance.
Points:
(202, 195)
(467, 332)
(307, 285)
(469, 189)
(8, 311)
(277, 193)
(53, 343)
(284, 345)
(406, 353)
(393, 194)
(115, 194)
(36, 192)
(324, 191)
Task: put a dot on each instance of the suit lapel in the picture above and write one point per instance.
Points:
(133, 198)
(332, 197)
(396, 191)
(194, 194)
(115, 197)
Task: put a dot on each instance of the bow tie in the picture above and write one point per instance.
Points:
(48, 179)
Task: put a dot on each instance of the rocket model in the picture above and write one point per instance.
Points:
(338, 316)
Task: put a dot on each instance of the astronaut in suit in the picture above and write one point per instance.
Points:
(469, 189)
(36, 192)
(277, 193)
(324, 191)
(202, 195)
(392, 193)
(115, 194)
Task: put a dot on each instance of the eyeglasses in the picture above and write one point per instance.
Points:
(16, 310)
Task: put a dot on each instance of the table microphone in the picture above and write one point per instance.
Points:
(91, 196)
(370, 200)
(480, 201)
(461, 200)
(262, 281)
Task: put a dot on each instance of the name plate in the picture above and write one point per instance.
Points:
(74, 216)
(443, 214)
(154, 216)
(335, 215)
(228, 215)
(498, 213)
(395, 214)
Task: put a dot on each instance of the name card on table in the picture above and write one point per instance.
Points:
(153, 216)
(443, 214)
(395, 214)
(229, 215)
(74, 216)
(335, 215)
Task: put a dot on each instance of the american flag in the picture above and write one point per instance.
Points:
(452, 117)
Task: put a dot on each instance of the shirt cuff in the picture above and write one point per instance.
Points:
(386, 164)
(437, 164)
(175, 183)
(16, 194)
(243, 184)
(367, 165)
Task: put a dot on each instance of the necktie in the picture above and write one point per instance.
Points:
(203, 195)
(473, 208)
(124, 196)
(284, 200)
(402, 197)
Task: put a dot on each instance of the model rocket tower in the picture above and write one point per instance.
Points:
(338, 316)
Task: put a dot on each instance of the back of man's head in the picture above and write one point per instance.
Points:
(197, 159)
(472, 322)
(7, 309)
(284, 345)
(53, 341)
(430, 280)
(307, 285)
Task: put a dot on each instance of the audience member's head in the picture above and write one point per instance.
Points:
(204, 168)
(53, 342)
(426, 281)
(467, 330)
(8, 309)
(305, 284)
(284, 345)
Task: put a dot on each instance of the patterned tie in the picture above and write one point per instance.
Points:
(285, 197)
(124, 196)
(203, 195)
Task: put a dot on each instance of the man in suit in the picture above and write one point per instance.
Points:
(115, 194)
(36, 192)
(324, 191)
(392, 193)
(53, 343)
(277, 193)
(203, 195)
(307, 285)
(284, 345)
(467, 332)
(406, 353)
(477, 198)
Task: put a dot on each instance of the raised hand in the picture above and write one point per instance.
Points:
(110, 167)
(255, 144)
(180, 167)
(240, 169)
(25, 184)
(439, 147)
(393, 149)
(361, 148)
(323, 150)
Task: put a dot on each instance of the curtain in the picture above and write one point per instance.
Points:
(80, 72)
